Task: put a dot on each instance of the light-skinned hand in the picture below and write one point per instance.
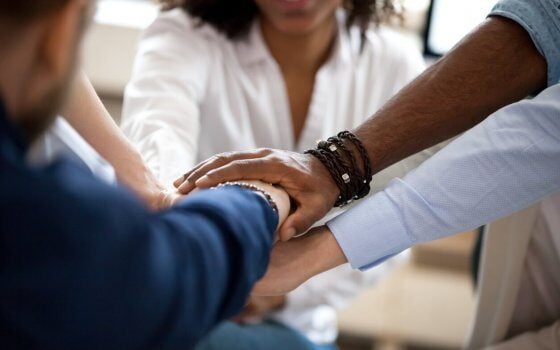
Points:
(294, 262)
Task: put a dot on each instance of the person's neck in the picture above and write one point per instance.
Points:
(302, 53)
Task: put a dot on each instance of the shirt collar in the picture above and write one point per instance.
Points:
(253, 50)
(10, 133)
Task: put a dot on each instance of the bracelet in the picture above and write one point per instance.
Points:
(355, 182)
(368, 173)
(342, 165)
(339, 176)
(251, 187)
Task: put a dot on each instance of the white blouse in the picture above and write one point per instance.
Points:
(195, 93)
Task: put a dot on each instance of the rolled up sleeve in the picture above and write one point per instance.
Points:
(541, 19)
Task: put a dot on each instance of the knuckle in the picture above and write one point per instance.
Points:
(211, 174)
(275, 159)
(264, 151)
(222, 157)
(235, 166)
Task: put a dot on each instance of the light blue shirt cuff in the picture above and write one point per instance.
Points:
(375, 222)
(541, 19)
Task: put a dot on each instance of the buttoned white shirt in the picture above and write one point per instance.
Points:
(195, 93)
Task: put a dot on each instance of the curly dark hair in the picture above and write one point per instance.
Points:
(234, 18)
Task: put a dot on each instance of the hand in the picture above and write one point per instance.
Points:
(295, 261)
(168, 199)
(303, 176)
(279, 196)
(258, 307)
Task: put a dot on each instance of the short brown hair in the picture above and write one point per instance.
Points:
(234, 17)
(23, 10)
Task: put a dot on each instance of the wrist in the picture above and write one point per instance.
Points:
(276, 198)
(135, 174)
(347, 162)
(322, 173)
(324, 250)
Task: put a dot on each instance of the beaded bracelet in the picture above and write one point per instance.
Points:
(251, 187)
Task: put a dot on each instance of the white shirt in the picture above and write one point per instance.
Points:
(195, 93)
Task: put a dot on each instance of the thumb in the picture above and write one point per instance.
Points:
(297, 223)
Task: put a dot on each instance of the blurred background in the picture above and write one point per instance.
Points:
(427, 303)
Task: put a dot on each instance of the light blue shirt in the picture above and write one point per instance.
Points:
(505, 164)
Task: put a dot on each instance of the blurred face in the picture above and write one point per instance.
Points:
(297, 16)
(55, 70)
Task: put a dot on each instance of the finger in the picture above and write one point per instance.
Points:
(251, 169)
(188, 184)
(186, 187)
(249, 311)
(177, 183)
(221, 160)
(297, 223)
(183, 185)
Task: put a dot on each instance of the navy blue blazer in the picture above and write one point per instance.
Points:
(85, 266)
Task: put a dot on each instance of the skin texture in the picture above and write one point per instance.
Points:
(36, 72)
(86, 113)
(294, 262)
(300, 41)
(36, 69)
(494, 66)
(309, 32)
(497, 64)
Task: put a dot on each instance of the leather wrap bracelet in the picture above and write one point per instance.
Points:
(337, 156)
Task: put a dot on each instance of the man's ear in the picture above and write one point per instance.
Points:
(62, 32)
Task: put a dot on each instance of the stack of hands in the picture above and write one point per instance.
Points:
(292, 179)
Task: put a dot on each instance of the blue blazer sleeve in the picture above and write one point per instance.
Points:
(83, 265)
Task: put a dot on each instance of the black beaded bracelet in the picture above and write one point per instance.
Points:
(251, 187)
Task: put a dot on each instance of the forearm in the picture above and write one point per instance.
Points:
(496, 65)
(131, 279)
(86, 113)
(295, 261)
(501, 166)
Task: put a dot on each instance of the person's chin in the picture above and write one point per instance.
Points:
(297, 26)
